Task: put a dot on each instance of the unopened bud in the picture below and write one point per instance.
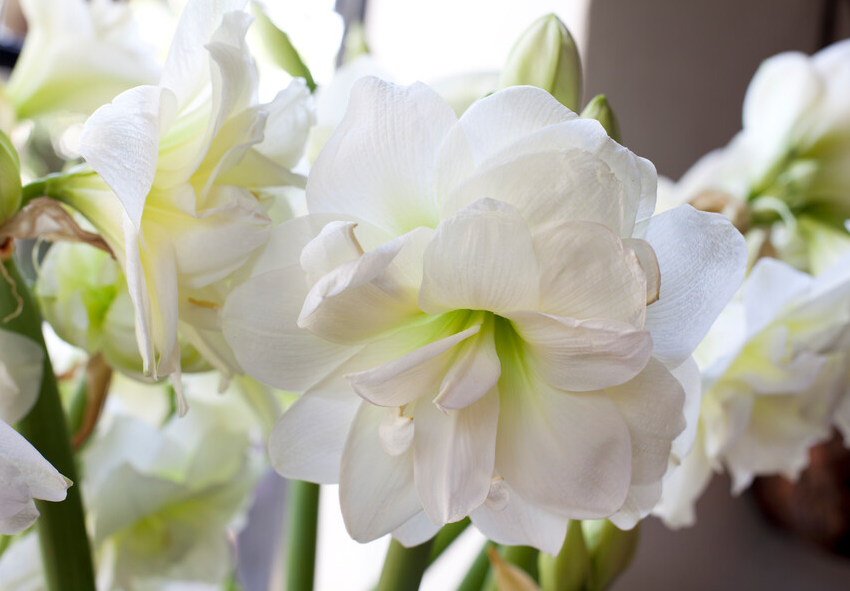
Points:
(10, 179)
(599, 108)
(546, 56)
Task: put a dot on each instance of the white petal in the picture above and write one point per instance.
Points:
(379, 164)
(160, 271)
(582, 355)
(770, 286)
(497, 121)
(547, 188)
(474, 371)
(649, 264)
(307, 441)
(636, 176)
(121, 142)
(453, 457)
(376, 491)
(369, 295)
(20, 375)
(335, 245)
(683, 487)
(410, 376)
(587, 272)
(42, 479)
(137, 287)
(259, 323)
(187, 68)
(652, 406)
(689, 377)
(521, 523)
(291, 114)
(482, 258)
(702, 258)
(213, 244)
(567, 453)
(416, 530)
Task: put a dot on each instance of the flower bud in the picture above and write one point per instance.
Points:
(546, 56)
(599, 108)
(83, 295)
(611, 551)
(10, 179)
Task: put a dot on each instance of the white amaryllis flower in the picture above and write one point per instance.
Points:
(786, 170)
(77, 55)
(483, 316)
(162, 500)
(774, 368)
(186, 160)
(24, 473)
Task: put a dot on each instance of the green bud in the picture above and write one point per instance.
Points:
(10, 179)
(570, 569)
(82, 293)
(546, 56)
(599, 108)
(611, 551)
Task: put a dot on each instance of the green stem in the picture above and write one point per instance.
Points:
(404, 567)
(445, 537)
(33, 190)
(477, 573)
(302, 522)
(61, 528)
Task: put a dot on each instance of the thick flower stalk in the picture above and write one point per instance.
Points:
(177, 175)
(484, 317)
(77, 55)
(774, 373)
(24, 473)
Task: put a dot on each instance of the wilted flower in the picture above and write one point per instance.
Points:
(77, 56)
(24, 473)
(186, 160)
(774, 368)
(495, 291)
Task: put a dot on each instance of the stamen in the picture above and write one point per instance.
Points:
(396, 432)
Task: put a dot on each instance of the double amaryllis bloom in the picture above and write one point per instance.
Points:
(484, 317)
(179, 170)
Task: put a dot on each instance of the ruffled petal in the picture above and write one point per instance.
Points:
(587, 272)
(376, 490)
(482, 258)
(453, 457)
(702, 258)
(582, 355)
(380, 162)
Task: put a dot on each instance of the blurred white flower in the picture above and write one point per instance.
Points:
(496, 292)
(187, 161)
(787, 168)
(774, 369)
(24, 473)
(77, 56)
(161, 501)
